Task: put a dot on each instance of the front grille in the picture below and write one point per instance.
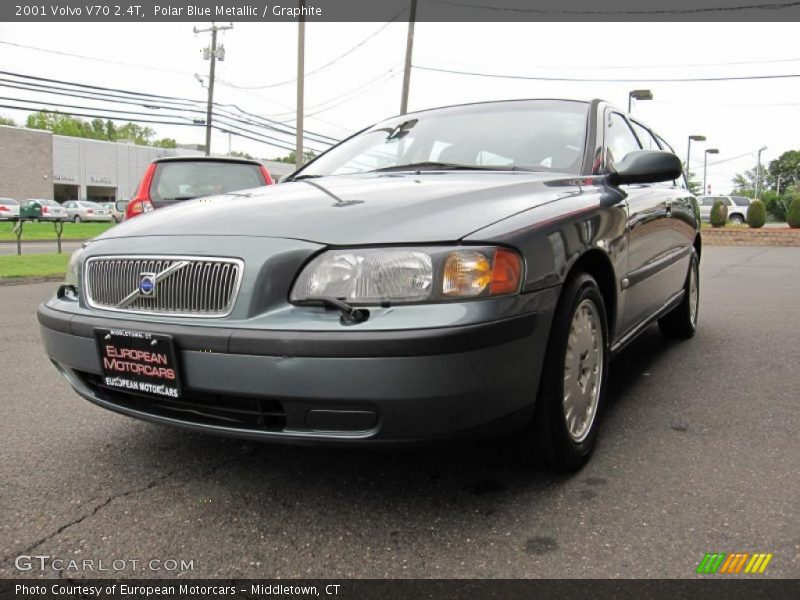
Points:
(181, 286)
(223, 410)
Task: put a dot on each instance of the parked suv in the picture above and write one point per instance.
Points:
(737, 207)
(174, 179)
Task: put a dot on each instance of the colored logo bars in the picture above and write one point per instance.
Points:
(734, 563)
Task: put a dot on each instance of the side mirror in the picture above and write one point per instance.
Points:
(646, 166)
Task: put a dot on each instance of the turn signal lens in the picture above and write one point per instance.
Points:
(467, 273)
(472, 273)
(506, 272)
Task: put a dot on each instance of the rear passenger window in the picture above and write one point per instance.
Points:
(620, 140)
(741, 201)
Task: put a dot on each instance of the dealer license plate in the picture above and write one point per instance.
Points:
(139, 362)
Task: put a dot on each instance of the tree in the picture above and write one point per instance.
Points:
(291, 158)
(165, 143)
(239, 154)
(744, 184)
(695, 186)
(785, 168)
(6, 121)
(96, 129)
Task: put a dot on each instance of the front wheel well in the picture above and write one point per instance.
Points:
(597, 264)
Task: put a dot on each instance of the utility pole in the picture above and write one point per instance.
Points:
(212, 53)
(409, 48)
(301, 73)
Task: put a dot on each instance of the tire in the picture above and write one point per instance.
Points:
(737, 219)
(550, 441)
(681, 321)
(77, 219)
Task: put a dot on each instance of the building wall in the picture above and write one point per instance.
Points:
(32, 162)
(26, 163)
(92, 163)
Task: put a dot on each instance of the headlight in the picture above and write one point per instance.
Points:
(73, 267)
(378, 275)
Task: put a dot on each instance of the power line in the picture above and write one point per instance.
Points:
(349, 92)
(661, 65)
(139, 98)
(657, 11)
(322, 67)
(95, 58)
(228, 122)
(152, 121)
(342, 101)
(153, 68)
(192, 111)
(603, 80)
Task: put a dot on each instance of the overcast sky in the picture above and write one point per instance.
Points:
(738, 117)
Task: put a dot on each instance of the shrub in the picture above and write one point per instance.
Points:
(756, 214)
(793, 216)
(719, 214)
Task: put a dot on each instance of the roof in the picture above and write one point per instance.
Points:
(229, 159)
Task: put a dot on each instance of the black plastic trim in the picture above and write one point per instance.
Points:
(328, 344)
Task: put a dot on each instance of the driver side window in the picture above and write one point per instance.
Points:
(619, 140)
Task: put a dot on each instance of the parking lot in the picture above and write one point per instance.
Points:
(698, 453)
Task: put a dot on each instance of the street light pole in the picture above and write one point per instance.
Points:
(638, 95)
(412, 17)
(692, 138)
(212, 54)
(705, 166)
(758, 170)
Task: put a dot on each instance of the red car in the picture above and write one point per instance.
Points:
(170, 180)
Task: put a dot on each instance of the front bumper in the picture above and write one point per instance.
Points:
(354, 386)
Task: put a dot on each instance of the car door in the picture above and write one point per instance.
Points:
(70, 208)
(650, 242)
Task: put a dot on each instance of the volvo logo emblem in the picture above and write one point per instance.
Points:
(147, 285)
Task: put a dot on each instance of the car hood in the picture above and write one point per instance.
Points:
(371, 208)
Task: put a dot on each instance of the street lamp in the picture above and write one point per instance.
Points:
(705, 166)
(692, 138)
(758, 170)
(638, 95)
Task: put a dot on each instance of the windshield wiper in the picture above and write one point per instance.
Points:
(179, 198)
(440, 166)
(350, 314)
(300, 177)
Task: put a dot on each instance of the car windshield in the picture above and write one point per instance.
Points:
(181, 180)
(90, 205)
(536, 135)
(8, 201)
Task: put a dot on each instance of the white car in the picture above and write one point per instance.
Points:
(737, 207)
(84, 210)
(9, 209)
(51, 210)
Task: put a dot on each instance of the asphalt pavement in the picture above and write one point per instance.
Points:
(699, 452)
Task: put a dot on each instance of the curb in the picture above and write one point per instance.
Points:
(28, 280)
(55, 242)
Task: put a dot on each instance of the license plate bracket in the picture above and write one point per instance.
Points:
(139, 362)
